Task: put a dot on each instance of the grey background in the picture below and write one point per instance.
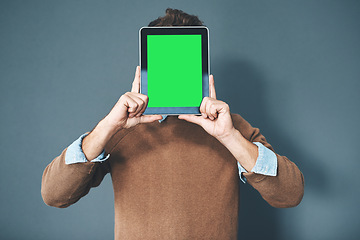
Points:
(291, 68)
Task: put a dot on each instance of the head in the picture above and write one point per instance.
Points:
(175, 17)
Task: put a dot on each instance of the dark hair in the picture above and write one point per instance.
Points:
(175, 17)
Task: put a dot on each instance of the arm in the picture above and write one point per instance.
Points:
(286, 187)
(64, 184)
(71, 175)
(75, 154)
(266, 163)
(126, 113)
(283, 190)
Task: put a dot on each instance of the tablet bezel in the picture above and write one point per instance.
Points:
(205, 57)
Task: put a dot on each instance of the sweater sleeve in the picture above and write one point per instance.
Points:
(286, 189)
(64, 184)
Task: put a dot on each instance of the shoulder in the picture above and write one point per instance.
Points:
(243, 126)
(117, 137)
(239, 122)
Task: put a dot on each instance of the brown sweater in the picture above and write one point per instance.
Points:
(172, 180)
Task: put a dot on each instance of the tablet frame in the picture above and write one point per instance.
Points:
(205, 58)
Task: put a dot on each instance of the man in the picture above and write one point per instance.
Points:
(175, 179)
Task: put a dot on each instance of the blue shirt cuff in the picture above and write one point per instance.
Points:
(163, 118)
(266, 163)
(75, 154)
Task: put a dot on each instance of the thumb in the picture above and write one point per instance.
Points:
(193, 119)
(149, 118)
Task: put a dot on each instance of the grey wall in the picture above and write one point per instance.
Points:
(291, 68)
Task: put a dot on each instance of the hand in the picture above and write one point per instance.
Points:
(216, 119)
(128, 111)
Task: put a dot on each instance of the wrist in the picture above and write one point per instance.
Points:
(243, 150)
(94, 143)
(109, 125)
(103, 132)
(230, 136)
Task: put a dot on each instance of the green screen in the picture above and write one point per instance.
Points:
(174, 70)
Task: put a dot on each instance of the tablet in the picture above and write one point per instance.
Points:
(175, 70)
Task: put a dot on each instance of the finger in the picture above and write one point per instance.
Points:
(213, 110)
(208, 110)
(140, 106)
(131, 105)
(203, 107)
(145, 98)
(136, 83)
(142, 109)
(193, 119)
(220, 107)
(141, 99)
(212, 86)
(144, 101)
(149, 118)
